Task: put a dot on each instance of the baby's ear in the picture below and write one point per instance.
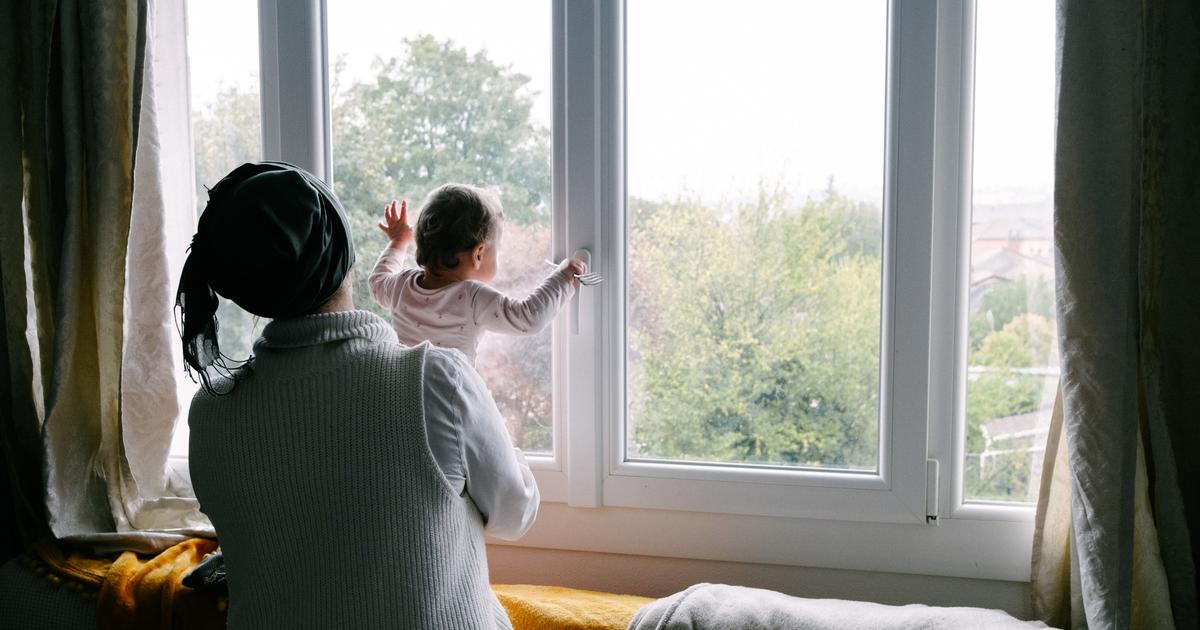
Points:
(477, 255)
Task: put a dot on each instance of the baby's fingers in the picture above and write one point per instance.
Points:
(403, 218)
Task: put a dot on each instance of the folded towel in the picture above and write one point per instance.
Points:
(559, 608)
(719, 607)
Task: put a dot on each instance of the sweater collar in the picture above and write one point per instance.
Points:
(310, 330)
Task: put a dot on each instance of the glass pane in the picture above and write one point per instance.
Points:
(1012, 361)
(222, 46)
(755, 177)
(423, 96)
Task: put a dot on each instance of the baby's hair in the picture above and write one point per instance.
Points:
(453, 219)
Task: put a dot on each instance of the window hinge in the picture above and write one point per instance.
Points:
(931, 491)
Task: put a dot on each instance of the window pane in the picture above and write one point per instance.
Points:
(755, 177)
(222, 47)
(422, 97)
(1012, 361)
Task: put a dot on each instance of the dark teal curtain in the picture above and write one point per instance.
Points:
(69, 109)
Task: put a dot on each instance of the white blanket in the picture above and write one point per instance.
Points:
(721, 607)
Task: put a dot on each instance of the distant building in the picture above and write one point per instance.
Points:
(1031, 236)
(1010, 241)
(1005, 265)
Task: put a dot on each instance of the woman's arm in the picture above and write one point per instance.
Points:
(497, 477)
(499, 313)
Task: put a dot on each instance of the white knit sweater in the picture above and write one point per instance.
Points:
(318, 477)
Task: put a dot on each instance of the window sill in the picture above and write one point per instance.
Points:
(966, 548)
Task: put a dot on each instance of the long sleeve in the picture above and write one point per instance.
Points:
(385, 279)
(472, 447)
(499, 313)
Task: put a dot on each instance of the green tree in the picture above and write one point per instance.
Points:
(1007, 300)
(226, 133)
(1006, 388)
(440, 114)
(436, 114)
(754, 332)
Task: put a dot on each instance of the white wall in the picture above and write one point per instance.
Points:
(658, 577)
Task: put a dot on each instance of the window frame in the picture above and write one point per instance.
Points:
(896, 491)
(591, 497)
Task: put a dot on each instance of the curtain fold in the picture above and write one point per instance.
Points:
(78, 164)
(1116, 528)
(24, 46)
(149, 498)
(99, 74)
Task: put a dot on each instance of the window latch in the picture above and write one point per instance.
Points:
(931, 492)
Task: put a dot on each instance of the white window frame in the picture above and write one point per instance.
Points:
(592, 499)
(594, 178)
(951, 255)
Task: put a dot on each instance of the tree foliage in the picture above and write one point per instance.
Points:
(754, 333)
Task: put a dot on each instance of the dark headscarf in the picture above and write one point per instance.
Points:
(275, 240)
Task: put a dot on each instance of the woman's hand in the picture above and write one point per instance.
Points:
(395, 225)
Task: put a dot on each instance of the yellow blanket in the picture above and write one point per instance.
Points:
(558, 608)
(147, 592)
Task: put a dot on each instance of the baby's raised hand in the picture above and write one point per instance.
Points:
(395, 225)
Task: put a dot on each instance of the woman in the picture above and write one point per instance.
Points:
(350, 479)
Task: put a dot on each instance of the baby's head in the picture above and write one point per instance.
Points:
(458, 231)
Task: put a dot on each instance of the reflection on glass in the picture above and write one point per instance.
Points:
(422, 96)
(1012, 360)
(755, 164)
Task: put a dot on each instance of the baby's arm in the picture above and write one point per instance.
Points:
(497, 312)
(384, 281)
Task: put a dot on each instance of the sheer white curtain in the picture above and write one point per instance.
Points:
(156, 496)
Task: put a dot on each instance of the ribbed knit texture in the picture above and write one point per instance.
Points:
(329, 506)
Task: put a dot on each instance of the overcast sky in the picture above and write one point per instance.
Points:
(783, 92)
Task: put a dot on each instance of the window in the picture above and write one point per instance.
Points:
(226, 131)
(805, 213)
(755, 232)
(421, 97)
(1012, 348)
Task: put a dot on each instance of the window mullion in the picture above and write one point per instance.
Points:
(951, 242)
(582, 166)
(907, 242)
(293, 84)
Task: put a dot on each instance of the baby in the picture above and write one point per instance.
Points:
(446, 300)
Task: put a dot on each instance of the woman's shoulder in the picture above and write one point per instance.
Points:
(449, 361)
(445, 362)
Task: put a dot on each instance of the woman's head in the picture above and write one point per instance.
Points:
(273, 239)
(459, 225)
